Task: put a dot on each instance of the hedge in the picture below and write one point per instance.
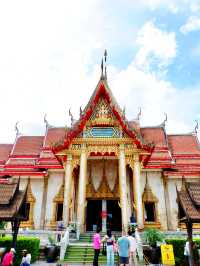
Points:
(178, 247)
(32, 245)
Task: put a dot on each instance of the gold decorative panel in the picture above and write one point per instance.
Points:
(103, 191)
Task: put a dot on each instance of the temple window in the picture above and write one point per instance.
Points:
(30, 203)
(59, 212)
(150, 206)
(57, 208)
(149, 212)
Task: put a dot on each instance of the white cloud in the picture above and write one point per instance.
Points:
(136, 88)
(155, 45)
(173, 6)
(48, 63)
(192, 24)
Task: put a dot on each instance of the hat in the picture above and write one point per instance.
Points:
(13, 250)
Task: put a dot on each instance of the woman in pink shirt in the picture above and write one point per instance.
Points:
(8, 258)
(96, 246)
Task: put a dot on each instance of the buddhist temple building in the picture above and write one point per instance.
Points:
(102, 170)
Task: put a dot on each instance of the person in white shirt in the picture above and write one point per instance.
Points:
(133, 246)
(26, 259)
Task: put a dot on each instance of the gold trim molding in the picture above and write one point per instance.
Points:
(31, 200)
(59, 198)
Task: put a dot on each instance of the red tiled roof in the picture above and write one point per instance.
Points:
(5, 150)
(183, 144)
(189, 198)
(26, 161)
(7, 192)
(54, 135)
(155, 135)
(194, 191)
(189, 208)
(11, 201)
(188, 161)
(28, 145)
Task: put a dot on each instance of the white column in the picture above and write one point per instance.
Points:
(44, 203)
(123, 188)
(67, 190)
(137, 191)
(104, 218)
(82, 189)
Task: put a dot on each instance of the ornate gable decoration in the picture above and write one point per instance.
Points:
(102, 123)
(102, 115)
(108, 112)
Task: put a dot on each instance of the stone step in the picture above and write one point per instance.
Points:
(83, 254)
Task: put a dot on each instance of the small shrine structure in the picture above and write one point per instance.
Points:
(189, 201)
(12, 204)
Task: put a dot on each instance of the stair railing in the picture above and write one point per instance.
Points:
(64, 243)
(78, 230)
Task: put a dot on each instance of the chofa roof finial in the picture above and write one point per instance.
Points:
(139, 113)
(124, 111)
(105, 55)
(165, 120)
(196, 126)
(105, 59)
(46, 122)
(81, 111)
(17, 129)
(103, 66)
(72, 118)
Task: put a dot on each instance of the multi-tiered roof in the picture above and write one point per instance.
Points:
(34, 155)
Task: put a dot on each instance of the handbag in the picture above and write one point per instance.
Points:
(104, 250)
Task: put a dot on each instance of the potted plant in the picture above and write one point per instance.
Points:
(151, 237)
(51, 250)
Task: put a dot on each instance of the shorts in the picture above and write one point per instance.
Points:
(124, 260)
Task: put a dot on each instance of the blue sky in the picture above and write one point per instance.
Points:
(50, 54)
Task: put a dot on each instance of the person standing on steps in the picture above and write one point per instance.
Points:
(110, 241)
(133, 246)
(96, 246)
(123, 247)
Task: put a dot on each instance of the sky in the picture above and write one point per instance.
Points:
(50, 55)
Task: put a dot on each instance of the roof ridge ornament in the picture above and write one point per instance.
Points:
(46, 122)
(139, 114)
(81, 111)
(124, 112)
(163, 124)
(17, 129)
(104, 66)
(72, 118)
(196, 127)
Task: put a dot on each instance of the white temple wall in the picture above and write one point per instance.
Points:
(156, 183)
(23, 182)
(37, 190)
(173, 206)
(54, 183)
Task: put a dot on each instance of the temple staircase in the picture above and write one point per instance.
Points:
(81, 251)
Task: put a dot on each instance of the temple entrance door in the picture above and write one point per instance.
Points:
(93, 215)
(114, 218)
